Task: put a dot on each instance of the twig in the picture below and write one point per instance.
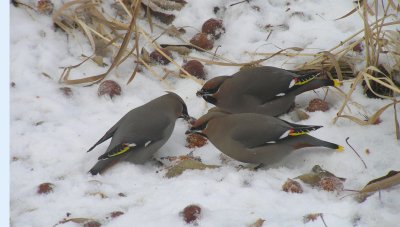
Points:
(269, 35)
(396, 122)
(322, 218)
(248, 1)
(365, 165)
(351, 190)
(348, 195)
(17, 3)
(215, 52)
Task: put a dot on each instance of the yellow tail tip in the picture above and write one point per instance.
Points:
(340, 148)
(337, 83)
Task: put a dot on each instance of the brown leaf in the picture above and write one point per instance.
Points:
(45, 188)
(309, 178)
(45, 7)
(258, 223)
(121, 194)
(213, 27)
(169, 5)
(390, 180)
(67, 91)
(157, 56)
(188, 164)
(179, 158)
(317, 105)
(92, 224)
(191, 213)
(330, 184)
(181, 49)
(101, 194)
(323, 179)
(195, 68)
(110, 88)
(302, 115)
(88, 222)
(292, 186)
(311, 217)
(203, 41)
(145, 55)
(115, 214)
(324, 173)
(194, 140)
(163, 17)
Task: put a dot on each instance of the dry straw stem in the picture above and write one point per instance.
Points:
(381, 183)
(377, 40)
(339, 51)
(185, 42)
(68, 15)
(371, 120)
(246, 64)
(186, 74)
(117, 58)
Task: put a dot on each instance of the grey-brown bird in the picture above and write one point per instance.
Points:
(141, 132)
(256, 138)
(264, 90)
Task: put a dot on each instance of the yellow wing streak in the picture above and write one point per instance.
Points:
(304, 80)
(123, 150)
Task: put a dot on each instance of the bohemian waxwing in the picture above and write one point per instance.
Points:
(264, 90)
(141, 132)
(256, 138)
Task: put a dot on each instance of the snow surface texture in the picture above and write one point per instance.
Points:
(55, 149)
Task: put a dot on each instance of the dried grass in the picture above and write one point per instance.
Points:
(379, 38)
(379, 41)
(89, 17)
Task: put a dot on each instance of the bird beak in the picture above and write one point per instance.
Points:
(190, 131)
(203, 92)
(186, 117)
(200, 93)
(197, 130)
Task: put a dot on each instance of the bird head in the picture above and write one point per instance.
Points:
(184, 114)
(210, 89)
(199, 126)
(182, 110)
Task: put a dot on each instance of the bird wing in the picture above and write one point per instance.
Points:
(131, 136)
(271, 82)
(254, 133)
(119, 150)
(106, 136)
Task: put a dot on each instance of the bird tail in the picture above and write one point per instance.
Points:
(334, 146)
(309, 141)
(309, 76)
(309, 82)
(102, 165)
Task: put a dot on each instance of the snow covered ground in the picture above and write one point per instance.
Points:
(50, 132)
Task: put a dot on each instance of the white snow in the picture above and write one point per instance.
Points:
(5, 116)
(55, 149)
